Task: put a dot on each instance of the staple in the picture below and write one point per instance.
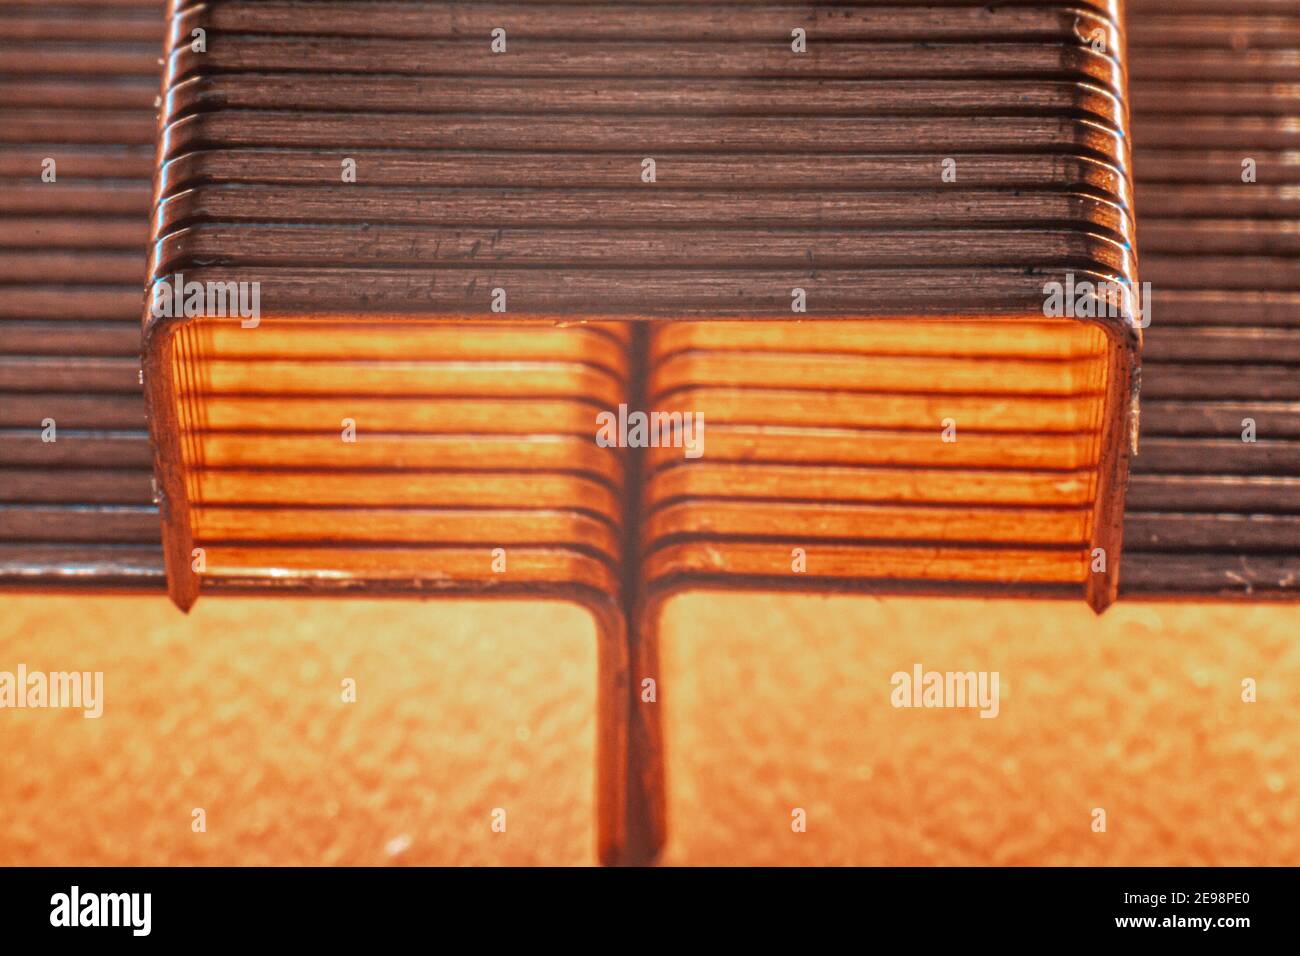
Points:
(1213, 504)
(77, 510)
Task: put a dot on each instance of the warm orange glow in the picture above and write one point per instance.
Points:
(879, 446)
(468, 438)
(769, 702)
(775, 702)
(461, 708)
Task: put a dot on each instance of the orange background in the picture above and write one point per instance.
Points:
(769, 702)
(462, 707)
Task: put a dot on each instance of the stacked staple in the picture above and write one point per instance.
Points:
(646, 159)
(323, 421)
(421, 458)
(77, 91)
(1214, 504)
(426, 457)
(395, 163)
(893, 456)
(951, 443)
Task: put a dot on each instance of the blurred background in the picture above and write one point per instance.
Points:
(769, 702)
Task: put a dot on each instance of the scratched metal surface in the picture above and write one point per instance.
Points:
(523, 169)
(1212, 85)
(81, 83)
(77, 86)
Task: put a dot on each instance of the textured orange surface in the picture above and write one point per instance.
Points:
(462, 707)
(772, 703)
(769, 702)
